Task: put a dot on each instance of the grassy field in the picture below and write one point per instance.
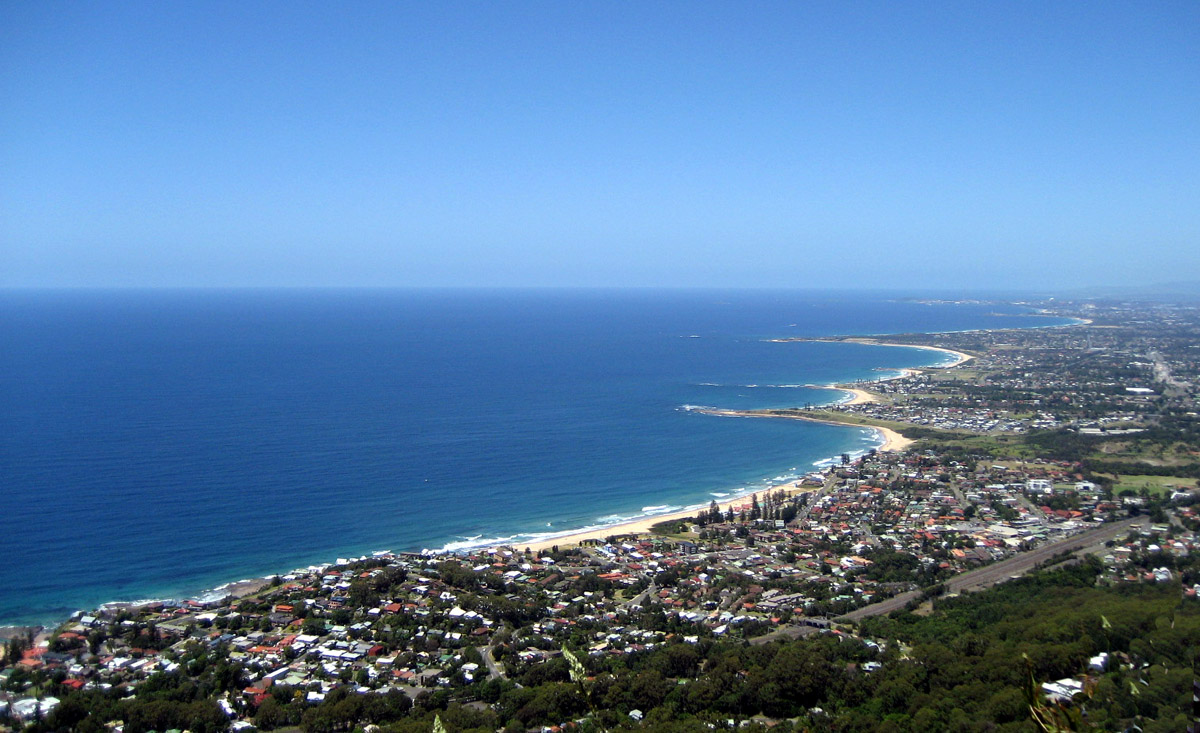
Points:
(1156, 485)
(999, 445)
(850, 418)
(676, 529)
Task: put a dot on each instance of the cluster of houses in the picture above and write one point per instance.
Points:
(838, 541)
(411, 623)
(956, 418)
(1094, 379)
(1154, 554)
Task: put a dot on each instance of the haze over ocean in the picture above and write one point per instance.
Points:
(158, 443)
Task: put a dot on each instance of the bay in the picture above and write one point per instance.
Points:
(157, 443)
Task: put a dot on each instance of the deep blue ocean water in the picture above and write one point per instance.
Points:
(158, 443)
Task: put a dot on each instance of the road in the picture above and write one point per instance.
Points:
(1162, 372)
(494, 671)
(998, 572)
(640, 599)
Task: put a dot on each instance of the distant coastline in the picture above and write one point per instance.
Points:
(959, 356)
(595, 519)
(892, 441)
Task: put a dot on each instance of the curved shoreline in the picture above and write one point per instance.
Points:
(890, 441)
(642, 525)
(959, 356)
(860, 396)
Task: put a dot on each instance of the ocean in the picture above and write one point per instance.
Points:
(155, 444)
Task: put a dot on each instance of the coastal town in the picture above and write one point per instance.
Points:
(1052, 460)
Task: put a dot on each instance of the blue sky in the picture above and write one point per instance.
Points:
(924, 145)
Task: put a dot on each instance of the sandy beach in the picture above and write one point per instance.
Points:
(959, 356)
(642, 526)
(892, 441)
(860, 396)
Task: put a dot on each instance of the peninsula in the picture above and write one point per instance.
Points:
(1051, 488)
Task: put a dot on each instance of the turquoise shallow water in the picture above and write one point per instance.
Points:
(157, 443)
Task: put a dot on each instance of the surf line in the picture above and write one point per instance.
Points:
(891, 441)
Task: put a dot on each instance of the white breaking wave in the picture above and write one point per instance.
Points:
(139, 602)
(764, 386)
(471, 543)
(661, 509)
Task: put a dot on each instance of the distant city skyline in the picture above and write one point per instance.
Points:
(943, 146)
